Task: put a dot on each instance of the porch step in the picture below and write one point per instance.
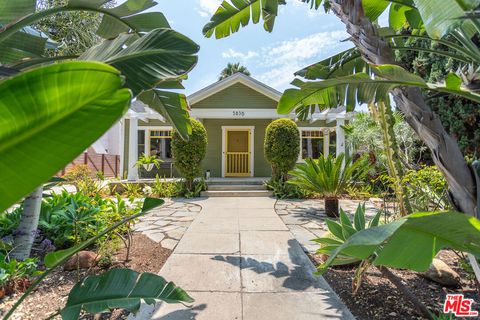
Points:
(233, 187)
(237, 193)
(236, 181)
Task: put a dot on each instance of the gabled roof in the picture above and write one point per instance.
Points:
(234, 79)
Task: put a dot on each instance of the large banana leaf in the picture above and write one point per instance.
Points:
(47, 120)
(130, 12)
(159, 56)
(441, 17)
(55, 259)
(362, 88)
(172, 106)
(120, 288)
(127, 16)
(413, 241)
(231, 15)
(9, 10)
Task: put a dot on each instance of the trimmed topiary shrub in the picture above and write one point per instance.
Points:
(188, 155)
(281, 147)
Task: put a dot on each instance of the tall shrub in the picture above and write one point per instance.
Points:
(281, 147)
(188, 154)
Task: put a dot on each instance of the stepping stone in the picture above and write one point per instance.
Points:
(157, 237)
(169, 244)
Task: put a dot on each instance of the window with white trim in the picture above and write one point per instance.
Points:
(160, 144)
(315, 143)
(312, 144)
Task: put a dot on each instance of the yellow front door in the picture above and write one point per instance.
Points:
(237, 159)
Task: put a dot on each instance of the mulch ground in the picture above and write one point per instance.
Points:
(145, 256)
(378, 298)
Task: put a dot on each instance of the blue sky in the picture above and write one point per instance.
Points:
(300, 37)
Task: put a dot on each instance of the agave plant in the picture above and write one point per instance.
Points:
(339, 232)
(328, 176)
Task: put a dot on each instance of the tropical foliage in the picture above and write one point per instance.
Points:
(281, 147)
(146, 160)
(367, 74)
(121, 288)
(49, 107)
(339, 232)
(384, 245)
(188, 155)
(328, 176)
(231, 69)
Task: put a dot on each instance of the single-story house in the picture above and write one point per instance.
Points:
(235, 112)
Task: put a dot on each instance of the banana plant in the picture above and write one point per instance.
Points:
(438, 19)
(116, 289)
(133, 40)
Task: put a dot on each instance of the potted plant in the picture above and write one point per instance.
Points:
(148, 162)
(328, 176)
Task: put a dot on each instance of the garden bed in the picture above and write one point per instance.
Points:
(378, 298)
(145, 256)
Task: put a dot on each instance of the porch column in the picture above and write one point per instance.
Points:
(340, 133)
(133, 149)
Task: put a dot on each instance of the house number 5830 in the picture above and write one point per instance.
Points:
(239, 113)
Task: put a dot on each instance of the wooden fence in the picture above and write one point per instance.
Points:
(109, 164)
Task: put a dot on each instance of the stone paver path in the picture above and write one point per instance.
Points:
(238, 260)
(306, 218)
(167, 224)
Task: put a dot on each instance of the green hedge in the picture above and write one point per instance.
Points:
(281, 147)
(188, 155)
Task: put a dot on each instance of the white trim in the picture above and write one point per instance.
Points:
(234, 79)
(231, 113)
(251, 142)
(340, 136)
(132, 149)
(122, 147)
(147, 130)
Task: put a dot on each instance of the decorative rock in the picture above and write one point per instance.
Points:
(82, 260)
(441, 273)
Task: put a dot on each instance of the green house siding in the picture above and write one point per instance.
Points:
(213, 158)
(237, 96)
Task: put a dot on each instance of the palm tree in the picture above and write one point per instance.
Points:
(231, 69)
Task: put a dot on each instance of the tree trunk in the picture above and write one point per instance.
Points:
(25, 236)
(445, 151)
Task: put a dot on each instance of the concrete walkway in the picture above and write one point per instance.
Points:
(238, 260)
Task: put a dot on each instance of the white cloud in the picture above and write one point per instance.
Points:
(233, 54)
(208, 7)
(276, 64)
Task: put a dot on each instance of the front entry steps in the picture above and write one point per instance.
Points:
(236, 187)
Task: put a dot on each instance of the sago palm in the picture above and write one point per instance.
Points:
(328, 176)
